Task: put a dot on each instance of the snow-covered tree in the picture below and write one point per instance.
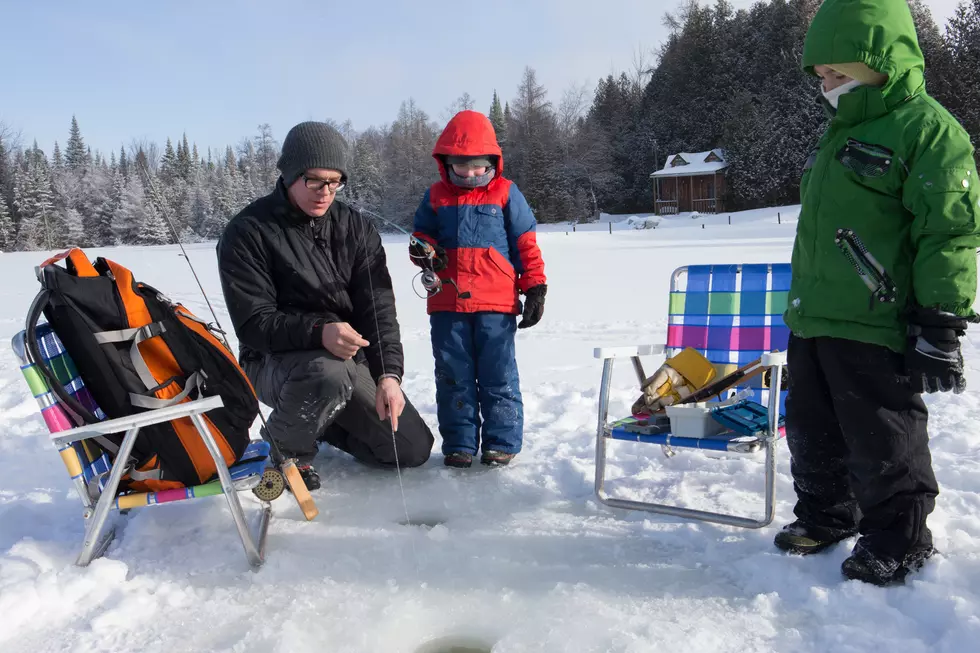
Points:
(6, 226)
(34, 203)
(76, 154)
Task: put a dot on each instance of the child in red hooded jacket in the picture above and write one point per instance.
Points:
(480, 232)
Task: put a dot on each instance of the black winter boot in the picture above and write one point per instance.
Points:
(870, 567)
(309, 476)
(803, 539)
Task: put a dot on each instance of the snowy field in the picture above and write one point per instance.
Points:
(520, 559)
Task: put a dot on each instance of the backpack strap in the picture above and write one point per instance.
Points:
(81, 414)
(138, 335)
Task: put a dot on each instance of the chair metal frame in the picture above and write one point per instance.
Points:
(97, 539)
(773, 361)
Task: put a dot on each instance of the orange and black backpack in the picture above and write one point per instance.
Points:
(136, 351)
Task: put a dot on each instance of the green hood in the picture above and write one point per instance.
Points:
(879, 33)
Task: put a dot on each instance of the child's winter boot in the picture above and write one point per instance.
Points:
(496, 458)
(459, 459)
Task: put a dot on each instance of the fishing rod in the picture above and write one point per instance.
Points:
(431, 282)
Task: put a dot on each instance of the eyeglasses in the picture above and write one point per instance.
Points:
(319, 184)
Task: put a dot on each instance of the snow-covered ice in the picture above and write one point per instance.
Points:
(523, 558)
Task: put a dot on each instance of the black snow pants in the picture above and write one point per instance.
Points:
(316, 396)
(858, 443)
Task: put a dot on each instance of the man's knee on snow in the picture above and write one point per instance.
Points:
(415, 455)
(325, 384)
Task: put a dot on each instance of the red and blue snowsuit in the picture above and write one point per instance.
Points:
(489, 237)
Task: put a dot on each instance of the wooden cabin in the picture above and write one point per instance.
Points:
(691, 182)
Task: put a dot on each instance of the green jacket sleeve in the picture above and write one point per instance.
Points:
(943, 193)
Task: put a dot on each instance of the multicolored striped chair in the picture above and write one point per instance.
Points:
(733, 316)
(97, 479)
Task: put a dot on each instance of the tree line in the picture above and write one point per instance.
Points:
(721, 79)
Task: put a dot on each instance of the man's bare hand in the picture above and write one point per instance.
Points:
(389, 401)
(341, 340)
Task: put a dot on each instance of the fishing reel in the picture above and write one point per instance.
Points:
(271, 485)
(431, 282)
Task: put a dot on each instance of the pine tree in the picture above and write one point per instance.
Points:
(56, 161)
(95, 192)
(939, 66)
(535, 150)
(129, 217)
(71, 230)
(168, 164)
(963, 42)
(123, 163)
(366, 186)
(34, 203)
(266, 156)
(105, 234)
(184, 160)
(497, 118)
(6, 227)
(205, 221)
(6, 172)
(76, 152)
(411, 169)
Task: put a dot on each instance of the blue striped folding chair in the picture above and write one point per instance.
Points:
(733, 316)
(97, 479)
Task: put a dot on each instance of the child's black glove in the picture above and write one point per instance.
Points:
(933, 360)
(533, 306)
(420, 250)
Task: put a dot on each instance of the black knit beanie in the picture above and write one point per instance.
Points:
(312, 145)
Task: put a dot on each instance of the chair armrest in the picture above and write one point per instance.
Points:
(773, 358)
(628, 352)
(150, 417)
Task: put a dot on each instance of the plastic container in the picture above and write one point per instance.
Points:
(694, 420)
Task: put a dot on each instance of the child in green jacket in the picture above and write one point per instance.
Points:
(884, 280)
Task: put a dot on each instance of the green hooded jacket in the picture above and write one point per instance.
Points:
(890, 197)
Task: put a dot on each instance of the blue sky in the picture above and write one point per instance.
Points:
(216, 69)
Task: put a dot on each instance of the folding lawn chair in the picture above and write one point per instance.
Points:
(732, 315)
(97, 479)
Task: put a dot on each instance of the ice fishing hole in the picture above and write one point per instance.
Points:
(427, 523)
(457, 644)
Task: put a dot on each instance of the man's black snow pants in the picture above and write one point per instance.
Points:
(858, 442)
(317, 396)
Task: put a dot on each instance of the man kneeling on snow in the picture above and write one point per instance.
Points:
(308, 291)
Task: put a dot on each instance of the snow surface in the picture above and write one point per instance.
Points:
(524, 558)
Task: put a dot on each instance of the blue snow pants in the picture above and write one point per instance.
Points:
(476, 373)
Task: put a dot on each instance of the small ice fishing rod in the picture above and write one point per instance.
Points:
(431, 282)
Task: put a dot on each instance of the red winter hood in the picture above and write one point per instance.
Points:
(469, 133)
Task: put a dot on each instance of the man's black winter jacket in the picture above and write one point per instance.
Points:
(284, 275)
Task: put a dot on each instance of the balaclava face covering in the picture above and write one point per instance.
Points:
(833, 96)
(470, 182)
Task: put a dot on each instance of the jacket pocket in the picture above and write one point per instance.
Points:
(865, 159)
(502, 264)
(947, 201)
